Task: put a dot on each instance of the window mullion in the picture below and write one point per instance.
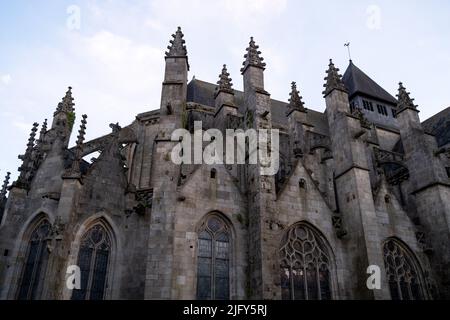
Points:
(90, 274)
(34, 270)
(399, 289)
(291, 278)
(319, 291)
(305, 282)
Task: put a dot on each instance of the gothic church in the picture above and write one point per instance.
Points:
(365, 183)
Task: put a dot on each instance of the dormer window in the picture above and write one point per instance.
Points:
(382, 110)
(368, 105)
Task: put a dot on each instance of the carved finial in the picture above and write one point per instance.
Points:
(404, 100)
(26, 158)
(115, 127)
(177, 47)
(224, 83)
(42, 132)
(74, 171)
(333, 80)
(5, 186)
(44, 127)
(252, 57)
(32, 138)
(66, 105)
(82, 131)
(295, 101)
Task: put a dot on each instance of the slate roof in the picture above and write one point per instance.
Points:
(439, 125)
(357, 82)
(202, 92)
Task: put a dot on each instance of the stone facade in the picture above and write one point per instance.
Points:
(358, 188)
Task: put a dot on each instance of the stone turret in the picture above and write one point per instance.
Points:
(297, 122)
(430, 186)
(253, 68)
(261, 188)
(224, 99)
(352, 180)
(165, 173)
(175, 77)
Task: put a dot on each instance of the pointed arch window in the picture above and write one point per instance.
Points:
(35, 263)
(93, 260)
(402, 272)
(305, 265)
(213, 266)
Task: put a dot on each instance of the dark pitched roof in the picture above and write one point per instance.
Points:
(203, 93)
(439, 125)
(357, 82)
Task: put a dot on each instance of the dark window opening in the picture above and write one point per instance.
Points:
(448, 171)
(402, 273)
(35, 264)
(302, 184)
(368, 105)
(213, 279)
(394, 113)
(305, 266)
(382, 110)
(213, 173)
(93, 260)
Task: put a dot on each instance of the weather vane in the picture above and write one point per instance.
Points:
(348, 49)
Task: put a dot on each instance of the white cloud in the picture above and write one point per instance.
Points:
(153, 24)
(23, 126)
(239, 8)
(235, 13)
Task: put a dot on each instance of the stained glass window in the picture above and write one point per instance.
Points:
(93, 260)
(402, 272)
(213, 260)
(305, 265)
(36, 263)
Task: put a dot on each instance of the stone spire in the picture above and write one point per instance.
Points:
(333, 80)
(177, 47)
(44, 127)
(67, 104)
(5, 186)
(27, 158)
(404, 100)
(42, 132)
(75, 171)
(224, 83)
(252, 57)
(295, 102)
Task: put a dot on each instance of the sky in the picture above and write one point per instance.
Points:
(112, 53)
